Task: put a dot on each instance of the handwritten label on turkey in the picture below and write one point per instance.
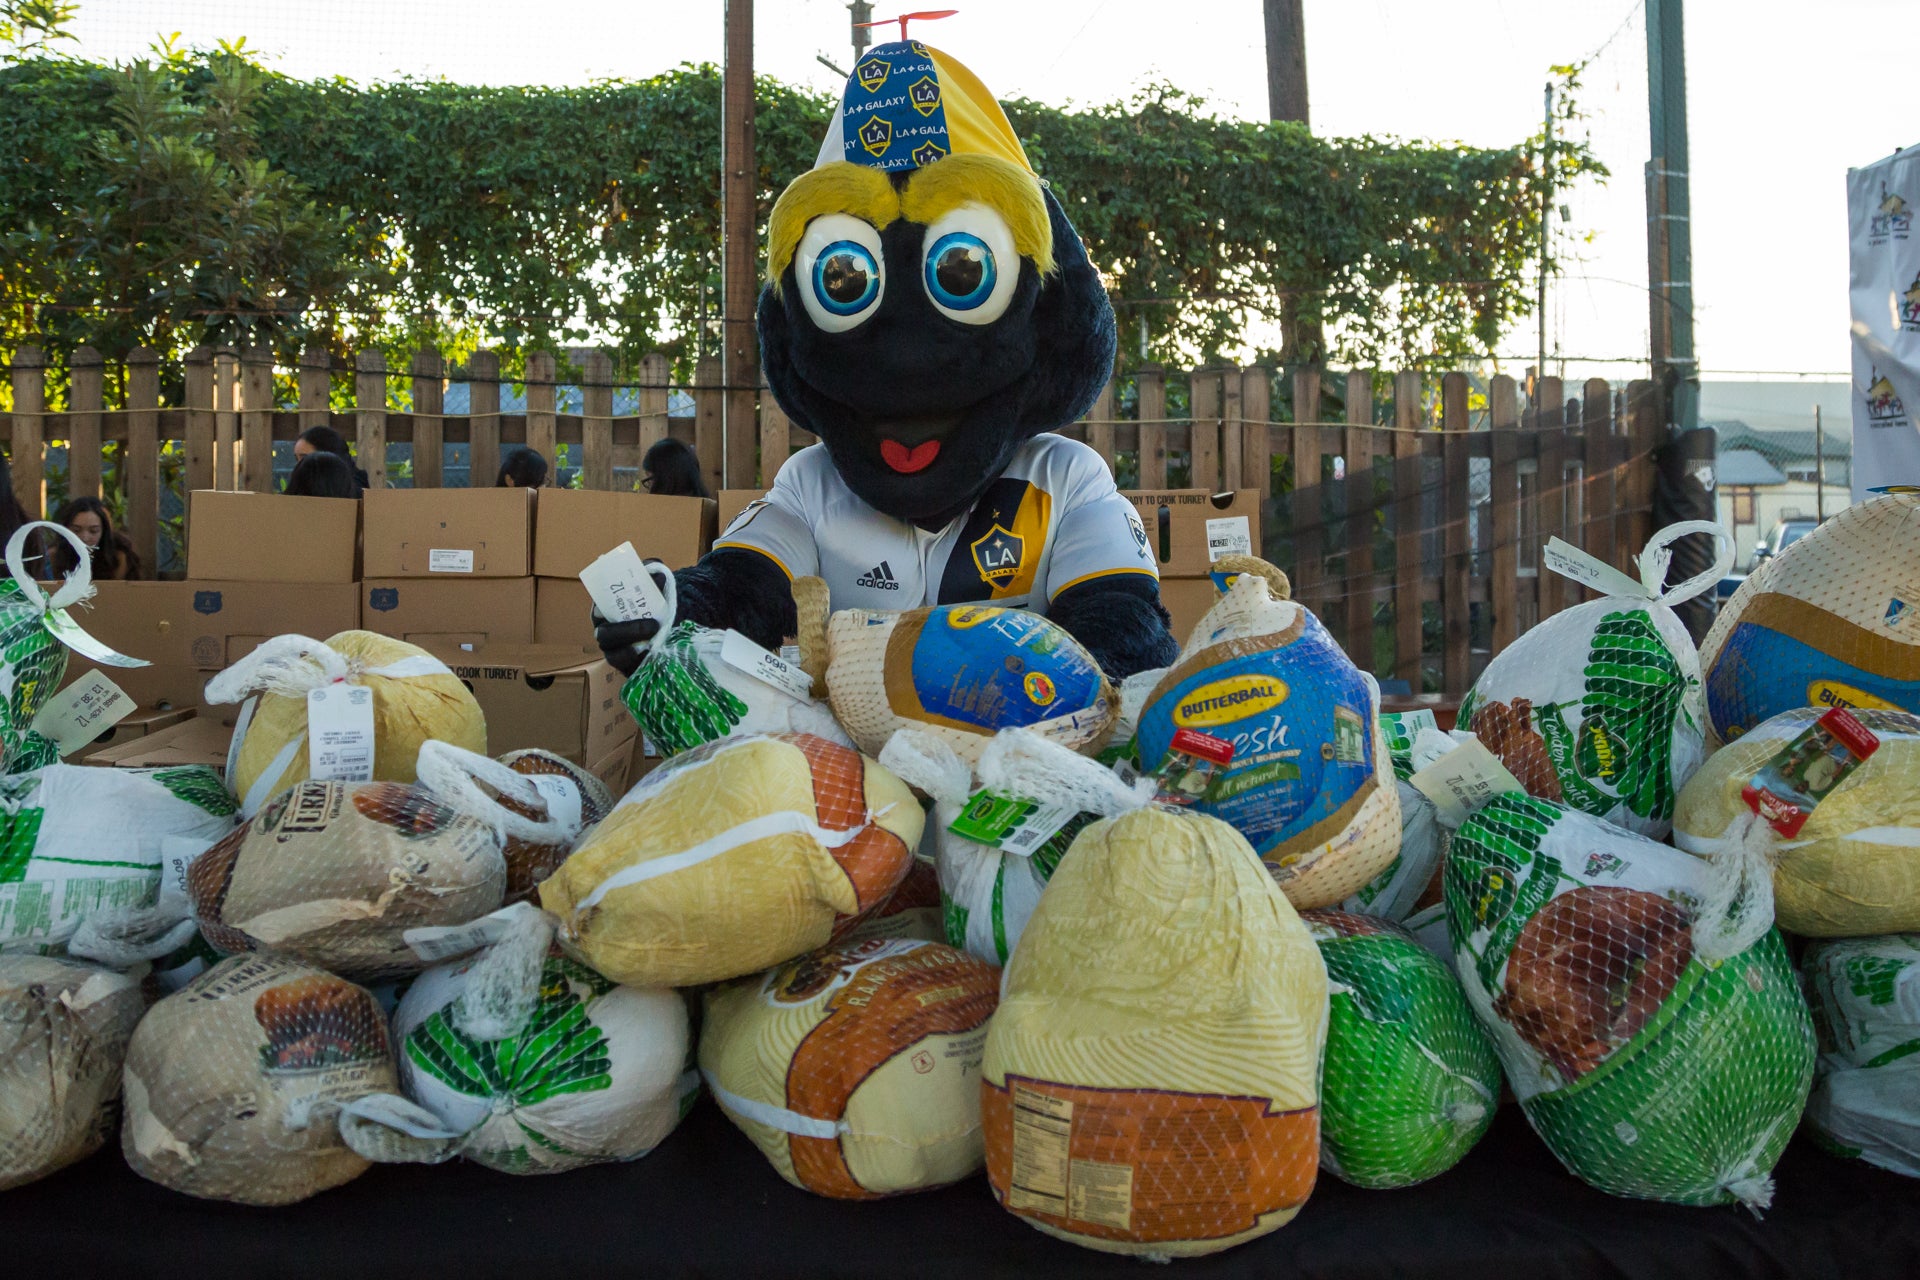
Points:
(82, 712)
(621, 587)
(340, 733)
(1570, 561)
(1462, 780)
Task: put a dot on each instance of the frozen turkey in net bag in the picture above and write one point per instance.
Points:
(1865, 996)
(525, 1061)
(1639, 998)
(856, 1068)
(1600, 707)
(1151, 1076)
(1832, 621)
(962, 672)
(1854, 868)
(82, 841)
(732, 857)
(335, 873)
(1410, 1081)
(233, 1084)
(416, 698)
(987, 890)
(697, 684)
(64, 1028)
(1310, 784)
(572, 793)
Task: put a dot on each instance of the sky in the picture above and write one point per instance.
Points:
(1783, 98)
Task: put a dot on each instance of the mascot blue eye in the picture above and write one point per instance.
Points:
(960, 271)
(846, 278)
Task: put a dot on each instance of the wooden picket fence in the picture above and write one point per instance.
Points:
(1412, 524)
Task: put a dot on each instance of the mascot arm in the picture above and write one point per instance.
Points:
(1120, 620)
(730, 588)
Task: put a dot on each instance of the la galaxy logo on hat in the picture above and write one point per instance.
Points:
(876, 135)
(998, 555)
(927, 152)
(873, 73)
(925, 95)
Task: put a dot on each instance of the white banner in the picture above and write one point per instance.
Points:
(1884, 279)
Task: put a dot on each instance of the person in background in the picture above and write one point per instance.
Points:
(324, 475)
(325, 440)
(12, 514)
(113, 556)
(673, 470)
(522, 468)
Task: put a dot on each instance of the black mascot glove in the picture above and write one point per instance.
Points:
(626, 644)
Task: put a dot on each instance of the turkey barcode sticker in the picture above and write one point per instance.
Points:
(1010, 824)
(82, 712)
(1570, 561)
(621, 587)
(1229, 536)
(745, 656)
(1462, 780)
(340, 733)
(176, 855)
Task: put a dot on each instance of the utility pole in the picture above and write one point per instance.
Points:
(1669, 236)
(1546, 216)
(862, 15)
(1286, 61)
(1300, 339)
(739, 346)
(1819, 468)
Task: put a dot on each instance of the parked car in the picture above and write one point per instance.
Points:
(1783, 535)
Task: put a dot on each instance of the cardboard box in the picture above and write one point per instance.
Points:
(1188, 529)
(1188, 600)
(450, 534)
(554, 698)
(449, 614)
(138, 723)
(733, 502)
(270, 537)
(563, 614)
(210, 625)
(615, 770)
(575, 527)
(199, 740)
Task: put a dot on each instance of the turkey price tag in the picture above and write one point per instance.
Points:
(1570, 561)
(82, 712)
(176, 855)
(1229, 536)
(340, 733)
(1010, 824)
(1462, 780)
(765, 666)
(621, 587)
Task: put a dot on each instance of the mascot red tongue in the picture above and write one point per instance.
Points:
(921, 274)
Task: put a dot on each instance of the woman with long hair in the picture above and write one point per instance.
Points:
(323, 475)
(112, 554)
(672, 468)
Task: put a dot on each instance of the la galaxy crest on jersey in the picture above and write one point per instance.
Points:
(997, 556)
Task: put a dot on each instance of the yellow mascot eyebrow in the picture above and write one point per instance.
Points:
(837, 187)
(1006, 188)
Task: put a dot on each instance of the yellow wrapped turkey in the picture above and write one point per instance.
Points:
(1854, 869)
(1151, 1076)
(733, 857)
(415, 698)
(856, 1068)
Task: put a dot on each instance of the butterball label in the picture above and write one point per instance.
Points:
(1225, 701)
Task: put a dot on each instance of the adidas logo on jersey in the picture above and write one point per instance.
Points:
(880, 578)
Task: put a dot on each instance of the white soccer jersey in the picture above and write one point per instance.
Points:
(1051, 520)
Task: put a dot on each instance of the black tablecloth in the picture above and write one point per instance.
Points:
(707, 1203)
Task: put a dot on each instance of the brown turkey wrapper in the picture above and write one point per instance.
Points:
(1590, 969)
(1506, 729)
(529, 863)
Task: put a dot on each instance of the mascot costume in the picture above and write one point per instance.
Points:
(931, 315)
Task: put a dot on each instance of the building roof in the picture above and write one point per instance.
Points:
(1781, 448)
(1741, 467)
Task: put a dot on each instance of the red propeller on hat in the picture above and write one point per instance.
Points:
(926, 15)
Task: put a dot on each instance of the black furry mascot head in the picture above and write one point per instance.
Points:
(929, 306)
